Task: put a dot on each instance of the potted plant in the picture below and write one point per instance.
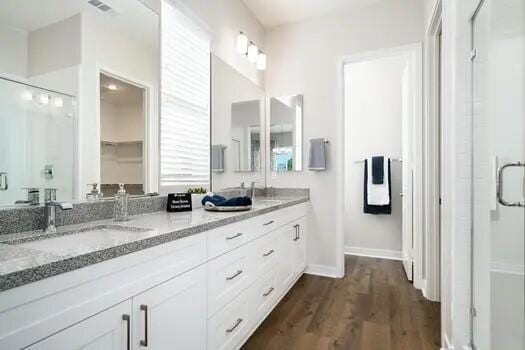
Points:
(197, 194)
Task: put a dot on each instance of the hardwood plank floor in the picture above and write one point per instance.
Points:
(373, 307)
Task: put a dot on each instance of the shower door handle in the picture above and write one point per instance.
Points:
(499, 184)
(4, 186)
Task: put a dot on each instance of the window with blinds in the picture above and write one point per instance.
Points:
(185, 101)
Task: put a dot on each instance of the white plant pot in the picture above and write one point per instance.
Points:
(196, 200)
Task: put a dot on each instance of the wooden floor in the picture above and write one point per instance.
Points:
(373, 308)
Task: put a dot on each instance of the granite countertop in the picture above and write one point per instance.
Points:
(32, 256)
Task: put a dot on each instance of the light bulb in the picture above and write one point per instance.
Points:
(242, 43)
(252, 52)
(112, 87)
(27, 96)
(58, 102)
(261, 61)
(43, 99)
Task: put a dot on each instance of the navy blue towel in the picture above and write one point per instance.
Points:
(221, 201)
(378, 170)
(377, 209)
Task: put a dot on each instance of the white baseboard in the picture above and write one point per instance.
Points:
(322, 270)
(374, 253)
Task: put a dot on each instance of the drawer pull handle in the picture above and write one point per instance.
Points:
(268, 292)
(237, 323)
(126, 319)
(234, 275)
(145, 341)
(268, 253)
(268, 223)
(234, 236)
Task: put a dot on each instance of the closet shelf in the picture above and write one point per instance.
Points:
(119, 143)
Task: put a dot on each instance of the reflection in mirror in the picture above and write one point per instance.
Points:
(55, 100)
(246, 136)
(237, 115)
(286, 133)
(121, 135)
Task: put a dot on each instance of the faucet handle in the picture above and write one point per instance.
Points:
(50, 194)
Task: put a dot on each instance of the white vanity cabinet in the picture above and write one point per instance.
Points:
(207, 291)
(107, 330)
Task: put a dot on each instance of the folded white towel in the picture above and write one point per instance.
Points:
(378, 194)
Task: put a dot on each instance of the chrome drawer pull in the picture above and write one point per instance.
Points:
(145, 341)
(126, 319)
(237, 323)
(268, 223)
(268, 292)
(234, 236)
(268, 253)
(234, 275)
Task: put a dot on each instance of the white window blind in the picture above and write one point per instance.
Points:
(185, 101)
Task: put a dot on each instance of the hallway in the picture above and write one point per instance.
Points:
(373, 307)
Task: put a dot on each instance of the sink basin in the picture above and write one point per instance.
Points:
(76, 242)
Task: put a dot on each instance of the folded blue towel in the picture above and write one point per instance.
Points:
(220, 201)
(378, 170)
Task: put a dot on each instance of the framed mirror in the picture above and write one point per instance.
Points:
(237, 136)
(80, 97)
(286, 133)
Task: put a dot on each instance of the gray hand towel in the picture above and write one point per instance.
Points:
(317, 155)
(217, 158)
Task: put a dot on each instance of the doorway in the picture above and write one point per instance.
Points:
(383, 116)
(122, 134)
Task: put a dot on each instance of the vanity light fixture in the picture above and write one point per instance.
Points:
(253, 51)
(242, 43)
(261, 61)
(112, 87)
(27, 96)
(43, 99)
(58, 102)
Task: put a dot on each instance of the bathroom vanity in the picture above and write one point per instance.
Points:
(192, 280)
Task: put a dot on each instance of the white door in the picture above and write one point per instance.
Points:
(173, 314)
(407, 176)
(108, 330)
(299, 247)
(499, 148)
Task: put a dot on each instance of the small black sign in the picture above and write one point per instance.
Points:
(179, 202)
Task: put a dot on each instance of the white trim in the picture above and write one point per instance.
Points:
(374, 253)
(323, 270)
(432, 169)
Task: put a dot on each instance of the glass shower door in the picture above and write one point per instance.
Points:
(498, 318)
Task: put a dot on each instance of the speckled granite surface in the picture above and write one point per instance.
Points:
(26, 257)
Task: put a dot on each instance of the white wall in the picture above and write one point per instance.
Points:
(225, 18)
(13, 60)
(306, 57)
(373, 120)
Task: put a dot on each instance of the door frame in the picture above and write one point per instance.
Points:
(433, 131)
(147, 122)
(415, 50)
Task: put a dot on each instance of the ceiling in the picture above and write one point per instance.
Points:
(126, 94)
(273, 13)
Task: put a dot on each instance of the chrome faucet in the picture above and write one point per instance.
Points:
(51, 206)
(252, 189)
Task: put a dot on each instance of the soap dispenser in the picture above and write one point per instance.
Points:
(121, 204)
(95, 194)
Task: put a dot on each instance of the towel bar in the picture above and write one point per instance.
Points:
(394, 159)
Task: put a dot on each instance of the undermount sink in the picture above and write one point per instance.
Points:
(84, 240)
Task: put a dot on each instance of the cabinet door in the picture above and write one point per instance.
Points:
(108, 330)
(286, 235)
(173, 314)
(299, 247)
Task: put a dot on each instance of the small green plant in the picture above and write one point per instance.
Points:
(197, 190)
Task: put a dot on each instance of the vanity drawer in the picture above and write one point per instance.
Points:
(229, 275)
(227, 238)
(229, 327)
(267, 251)
(266, 292)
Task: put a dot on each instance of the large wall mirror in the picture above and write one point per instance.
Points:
(286, 133)
(237, 150)
(79, 85)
